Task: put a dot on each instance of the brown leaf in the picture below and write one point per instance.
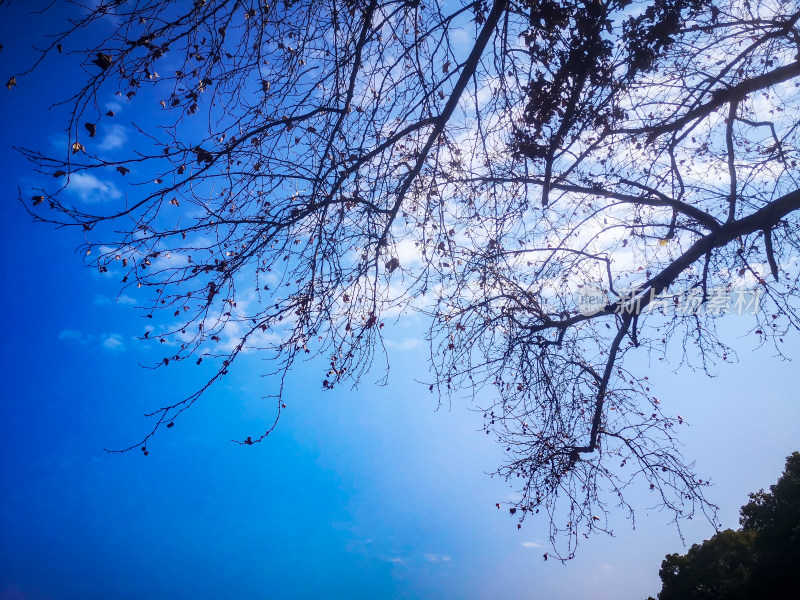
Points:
(11, 82)
(103, 61)
(446, 67)
(91, 128)
(38, 200)
(78, 147)
(60, 48)
(392, 265)
(203, 156)
(110, 113)
(122, 170)
(59, 174)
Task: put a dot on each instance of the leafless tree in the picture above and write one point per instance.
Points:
(554, 184)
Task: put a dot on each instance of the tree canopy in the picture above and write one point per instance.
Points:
(554, 184)
(758, 561)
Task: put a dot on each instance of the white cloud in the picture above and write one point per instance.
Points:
(114, 138)
(395, 559)
(531, 545)
(408, 253)
(101, 300)
(92, 190)
(407, 344)
(436, 557)
(113, 342)
(109, 341)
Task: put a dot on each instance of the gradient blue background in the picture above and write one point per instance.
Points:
(370, 493)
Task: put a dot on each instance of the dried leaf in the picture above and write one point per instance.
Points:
(122, 170)
(78, 147)
(91, 128)
(103, 61)
(11, 82)
(37, 200)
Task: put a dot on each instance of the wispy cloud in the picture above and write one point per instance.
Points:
(100, 300)
(113, 342)
(109, 341)
(70, 334)
(436, 557)
(114, 139)
(531, 545)
(407, 344)
(92, 190)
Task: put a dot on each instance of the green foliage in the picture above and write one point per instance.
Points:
(758, 561)
(775, 517)
(717, 568)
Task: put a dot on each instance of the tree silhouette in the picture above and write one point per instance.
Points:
(758, 561)
(553, 184)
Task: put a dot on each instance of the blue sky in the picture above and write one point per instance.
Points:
(365, 493)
